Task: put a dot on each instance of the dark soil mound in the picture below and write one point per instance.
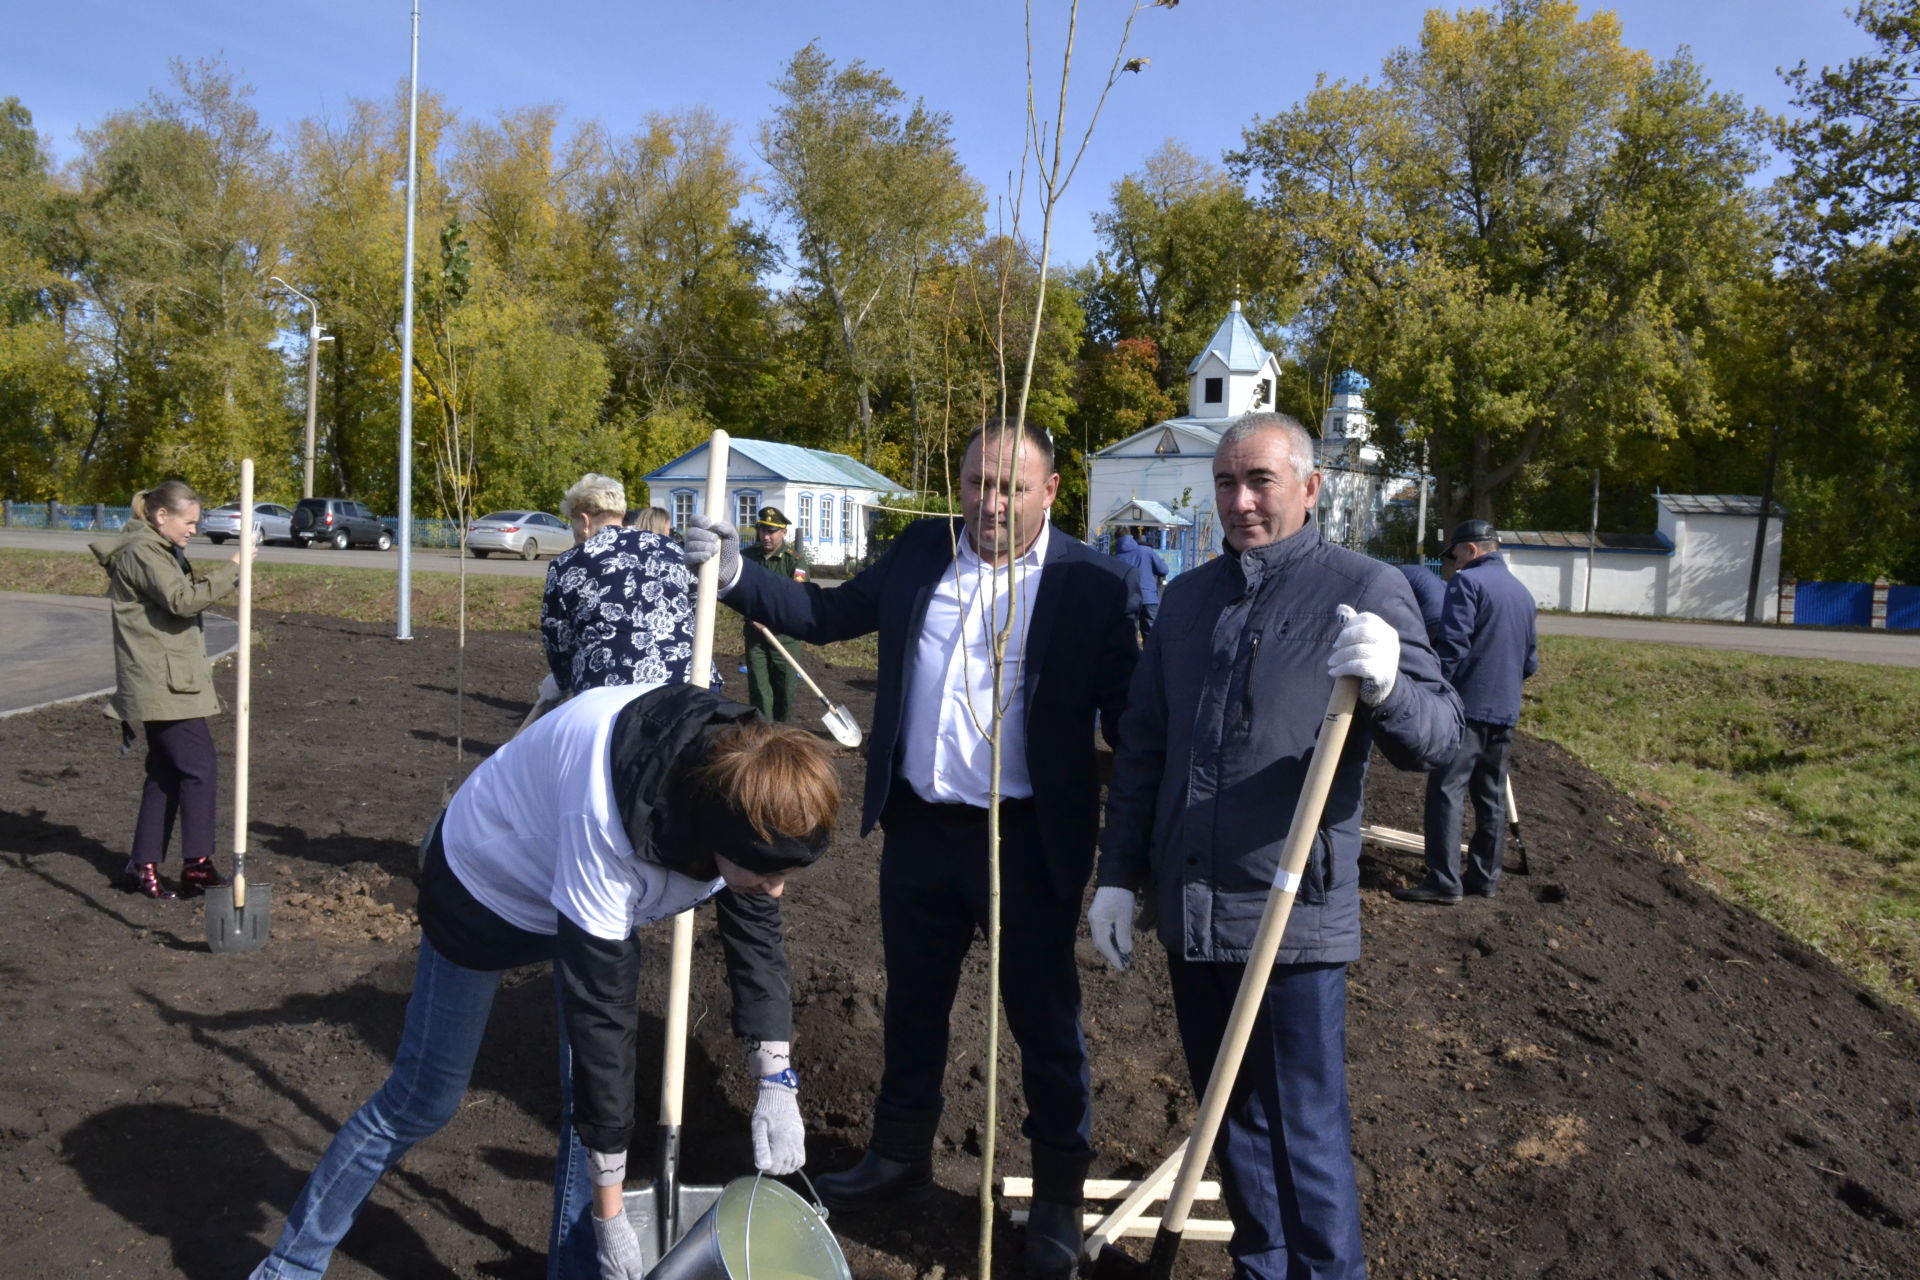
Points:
(1603, 1072)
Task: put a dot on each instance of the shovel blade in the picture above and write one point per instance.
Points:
(234, 929)
(646, 1210)
(841, 724)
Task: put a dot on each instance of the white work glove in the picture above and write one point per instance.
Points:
(617, 1249)
(707, 538)
(1369, 648)
(779, 1135)
(1111, 920)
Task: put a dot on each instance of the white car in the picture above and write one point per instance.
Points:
(271, 522)
(526, 534)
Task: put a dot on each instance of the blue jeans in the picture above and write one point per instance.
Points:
(446, 1017)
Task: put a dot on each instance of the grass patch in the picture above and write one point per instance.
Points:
(1794, 784)
(494, 602)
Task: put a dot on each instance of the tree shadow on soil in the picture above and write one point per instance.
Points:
(212, 1189)
(396, 857)
(26, 838)
(478, 747)
(516, 707)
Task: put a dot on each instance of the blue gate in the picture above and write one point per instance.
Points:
(1833, 604)
(1903, 608)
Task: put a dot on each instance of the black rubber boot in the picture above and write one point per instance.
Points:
(1053, 1221)
(896, 1169)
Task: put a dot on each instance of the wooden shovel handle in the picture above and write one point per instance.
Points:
(243, 687)
(673, 1066)
(1266, 945)
(775, 642)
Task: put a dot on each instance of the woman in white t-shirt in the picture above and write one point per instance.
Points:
(624, 806)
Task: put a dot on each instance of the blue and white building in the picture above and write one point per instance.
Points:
(1169, 465)
(826, 495)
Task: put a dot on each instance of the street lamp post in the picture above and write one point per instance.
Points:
(314, 338)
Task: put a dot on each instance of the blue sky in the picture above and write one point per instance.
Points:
(1216, 64)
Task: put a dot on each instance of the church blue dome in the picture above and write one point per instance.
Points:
(1349, 382)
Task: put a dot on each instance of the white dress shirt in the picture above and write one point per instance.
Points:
(949, 709)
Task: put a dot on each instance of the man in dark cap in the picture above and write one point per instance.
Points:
(769, 676)
(1486, 644)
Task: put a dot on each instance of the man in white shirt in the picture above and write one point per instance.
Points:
(938, 599)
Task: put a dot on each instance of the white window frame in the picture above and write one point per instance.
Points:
(846, 519)
(746, 506)
(686, 502)
(826, 518)
(805, 521)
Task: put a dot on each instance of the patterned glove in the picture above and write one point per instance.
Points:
(1111, 920)
(707, 538)
(1369, 648)
(618, 1249)
(779, 1135)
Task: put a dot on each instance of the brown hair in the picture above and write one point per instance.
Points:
(778, 778)
(169, 495)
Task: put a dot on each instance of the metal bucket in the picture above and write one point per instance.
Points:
(758, 1229)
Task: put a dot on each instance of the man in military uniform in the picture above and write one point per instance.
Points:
(769, 678)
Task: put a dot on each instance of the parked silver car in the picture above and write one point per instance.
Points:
(271, 522)
(526, 534)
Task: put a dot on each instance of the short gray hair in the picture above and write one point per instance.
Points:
(1300, 443)
(595, 494)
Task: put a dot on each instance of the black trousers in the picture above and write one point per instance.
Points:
(933, 901)
(1478, 773)
(183, 771)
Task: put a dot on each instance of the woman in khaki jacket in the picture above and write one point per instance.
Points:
(166, 683)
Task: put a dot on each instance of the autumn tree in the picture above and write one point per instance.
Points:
(1528, 236)
(872, 194)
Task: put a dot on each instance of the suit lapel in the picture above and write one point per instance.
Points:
(1046, 604)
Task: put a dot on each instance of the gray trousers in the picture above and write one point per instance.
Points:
(1479, 772)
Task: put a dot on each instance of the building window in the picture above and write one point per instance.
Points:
(805, 523)
(683, 508)
(1263, 394)
(846, 519)
(826, 517)
(1214, 389)
(746, 506)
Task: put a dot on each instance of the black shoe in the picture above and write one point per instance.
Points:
(1478, 890)
(1428, 894)
(875, 1181)
(1053, 1240)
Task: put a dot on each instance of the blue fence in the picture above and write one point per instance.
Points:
(1833, 604)
(1903, 608)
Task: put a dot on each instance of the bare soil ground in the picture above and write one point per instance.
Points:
(1605, 1071)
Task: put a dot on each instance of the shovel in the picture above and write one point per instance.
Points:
(661, 1213)
(1520, 867)
(839, 721)
(237, 913)
(1111, 1263)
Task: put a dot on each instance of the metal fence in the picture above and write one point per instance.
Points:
(1903, 608)
(1833, 604)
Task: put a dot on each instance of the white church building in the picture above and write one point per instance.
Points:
(1161, 479)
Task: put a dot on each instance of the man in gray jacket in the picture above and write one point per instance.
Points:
(1219, 729)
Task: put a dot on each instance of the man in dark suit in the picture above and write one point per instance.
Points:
(936, 598)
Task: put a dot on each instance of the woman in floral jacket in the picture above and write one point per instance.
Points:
(617, 608)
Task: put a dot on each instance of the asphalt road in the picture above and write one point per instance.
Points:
(60, 648)
(1881, 648)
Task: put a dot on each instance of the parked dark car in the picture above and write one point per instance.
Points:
(338, 523)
